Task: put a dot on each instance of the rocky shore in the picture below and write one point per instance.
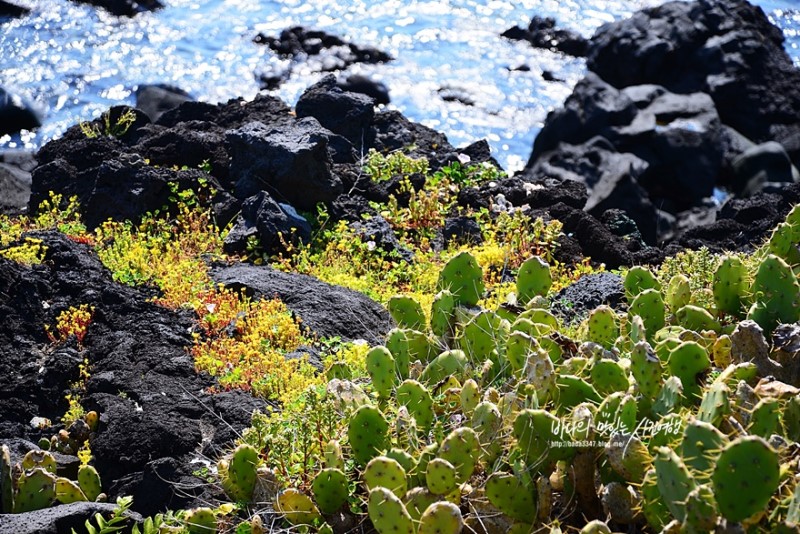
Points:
(685, 133)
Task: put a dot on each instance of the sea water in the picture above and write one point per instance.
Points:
(73, 61)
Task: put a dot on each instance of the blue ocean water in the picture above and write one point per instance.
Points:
(74, 61)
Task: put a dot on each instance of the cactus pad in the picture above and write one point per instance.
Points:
(385, 472)
(678, 292)
(602, 326)
(201, 521)
(416, 398)
(368, 434)
(674, 481)
(637, 280)
(296, 507)
(89, 482)
(463, 277)
(745, 477)
(36, 489)
(441, 518)
(407, 312)
(330, 490)
(534, 279)
(461, 448)
(730, 285)
(700, 448)
(241, 477)
(6, 482)
(511, 497)
(649, 305)
(443, 314)
(440, 477)
(381, 368)
(687, 361)
(388, 514)
(68, 491)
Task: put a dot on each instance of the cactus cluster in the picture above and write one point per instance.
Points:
(34, 483)
(655, 417)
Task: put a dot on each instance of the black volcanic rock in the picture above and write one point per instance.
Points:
(543, 33)
(16, 114)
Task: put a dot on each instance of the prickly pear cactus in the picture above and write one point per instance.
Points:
(368, 433)
(670, 396)
(608, 376)
(42, 459)
(534, 279)
(201, 521)
(649, 305)
(461, 448)
(654, 509)
(463, 277)
(381, 368)
(330, 489)
(697, 319)
(765, 419)
(470, 396)
(730, 285)
(618, 503)
(646, 369)
(535, 430)
(418, 500)
(777, 294)
(488, 422)
(417, 399)
(678, 293)
(388, 514)
(511, 497)
(700, 448)
(637, 280)
(296, 507)
(443, 314)
(241, 478)
(602, 326)
(89, 482)
(628, 456)
(746, 476)
(386, 472)
(686, 361)
(68, 492)
(440, 477)
(715, 404)
(332, 457)
(701, 509)
(595, 527)
(441, 518)
(447, 363)
(674, 481)
(36, 489)
(407, 312)
(483, 337)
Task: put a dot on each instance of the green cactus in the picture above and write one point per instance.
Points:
(201, 521)
(791, 419)
(539, 376)
(746, 476)
(418, 500)
(687, 361)
(678, 293)
(628, 457)
(637, 280)
(381, 368)
(418, 473)
(386, 472)
(451, 362)
(441, 518)
(618, 503)
(602, 326)
(543, 320)
(511, 496)
(730, 285)
(484, 337)
(470, 397)
(406, 461)
(715, 404)
(6, 481)
(440, 477)
(241, 477)
(618, 411)
(388, 514)
(461, 448)
(608, 376)
(487, 422)
(463, 277)
(368, 433)
(573, 390)
(417, 399)
(42, 459)
(36, 489)
(654, 509)
(721, 351)
(534, 431)
(297, 507)
(700, 448)
(443, 314)
(68, 492)
(777, 294)
(674, 481)
(646, 370)
(89, 482)
(783, 244)
(407, 313)
(697, 319)
(340, 370)
(534, 279)
(518, 347)
(330, 489)
(765, 419)
(649, 305)
(332, 457)
(701, 510)
(670, 396)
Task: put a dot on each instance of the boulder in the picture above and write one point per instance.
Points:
(292, 163)
(60, 519)
(762, 164)
(9, 10)
(575, 301)
(358, 83)
(726, 48)
(325, 309)
(16, 114)
(151, 401)
(543, 33)
(15, 181)
(273, 225)
(344, 113)
(125, 8)
(155, 99)
(376, 230)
